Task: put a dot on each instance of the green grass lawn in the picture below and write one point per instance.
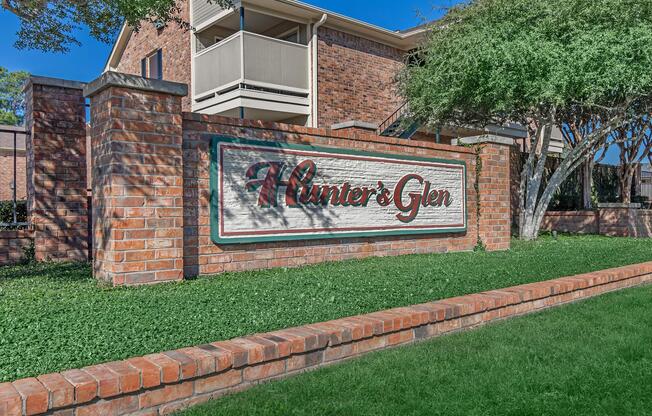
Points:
(589, 358)
(56, 317)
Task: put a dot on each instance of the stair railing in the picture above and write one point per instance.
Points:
(393, 118)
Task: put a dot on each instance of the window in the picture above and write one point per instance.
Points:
(218, 39)
(152, 65)
(291, 35)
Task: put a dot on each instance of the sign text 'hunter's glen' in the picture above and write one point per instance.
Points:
(265, 191)
(300, 190)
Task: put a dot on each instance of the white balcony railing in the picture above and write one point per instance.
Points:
(254, 60)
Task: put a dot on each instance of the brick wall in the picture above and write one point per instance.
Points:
(575, 222)
(137, 183)
(203, 257)
(356, 78)
(13, 245)
(612, 221)
(56, 168)
(175, 43)
(7, 175)
(625, 222)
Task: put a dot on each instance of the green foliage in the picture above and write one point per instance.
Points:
(12, 101)
(498, 60)
(589, 358)
(55, 316)
(29, 254)
(7, 212)
(50, 25)
(9, 119)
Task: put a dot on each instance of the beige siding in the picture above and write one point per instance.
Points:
(202, 11)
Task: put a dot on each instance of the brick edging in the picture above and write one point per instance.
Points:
(160, 384)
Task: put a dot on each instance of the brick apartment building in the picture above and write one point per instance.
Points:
(282, 61)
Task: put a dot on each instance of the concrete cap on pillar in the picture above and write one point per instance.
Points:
(618, 205)
(53, 82)
(117, 79)
(355, 124)
(485, 138)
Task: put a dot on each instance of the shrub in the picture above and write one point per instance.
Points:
(6, 211)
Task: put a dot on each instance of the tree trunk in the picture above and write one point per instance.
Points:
(534, 222)
(531, 181)
(626, 186)
(536, 202)
(587, 184)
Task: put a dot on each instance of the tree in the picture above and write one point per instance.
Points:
(11, 96)
(581, 66)
(49, 25)
(635, 144)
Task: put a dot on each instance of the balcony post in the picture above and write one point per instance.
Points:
(242, 28)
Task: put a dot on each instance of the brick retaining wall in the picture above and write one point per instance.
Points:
(609, 221)
(575, 222)
(13, 244)
(160, 384)
(626, 222)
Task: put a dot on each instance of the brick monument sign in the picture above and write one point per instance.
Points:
(181, 194)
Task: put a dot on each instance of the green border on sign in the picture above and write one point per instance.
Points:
(214, 195)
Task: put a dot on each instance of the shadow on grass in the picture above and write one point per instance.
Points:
(52, 271)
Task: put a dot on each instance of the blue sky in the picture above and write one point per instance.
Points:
(86, 62)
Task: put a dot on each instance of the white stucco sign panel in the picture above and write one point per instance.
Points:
(267, 191)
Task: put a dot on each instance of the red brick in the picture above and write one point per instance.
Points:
(218, 382)
(113, 407)
(264, 371)
(283, 345)
(61, 392)
(301, 361)
(165, 394)
(204, 360)
(108, 381)
(128, 376)
(150, 373)
(186, 363)
(400, 337)
(345, 60)
(170, 369)
(240, 355)
(255, 351)
(85, 385)
(35, 396)
(11, 403)
(297, 342)
(223, 358)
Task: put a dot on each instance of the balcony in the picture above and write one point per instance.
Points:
(267, 77)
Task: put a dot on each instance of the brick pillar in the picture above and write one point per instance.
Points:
(136, 136)
(494, 187)
(56, 168)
